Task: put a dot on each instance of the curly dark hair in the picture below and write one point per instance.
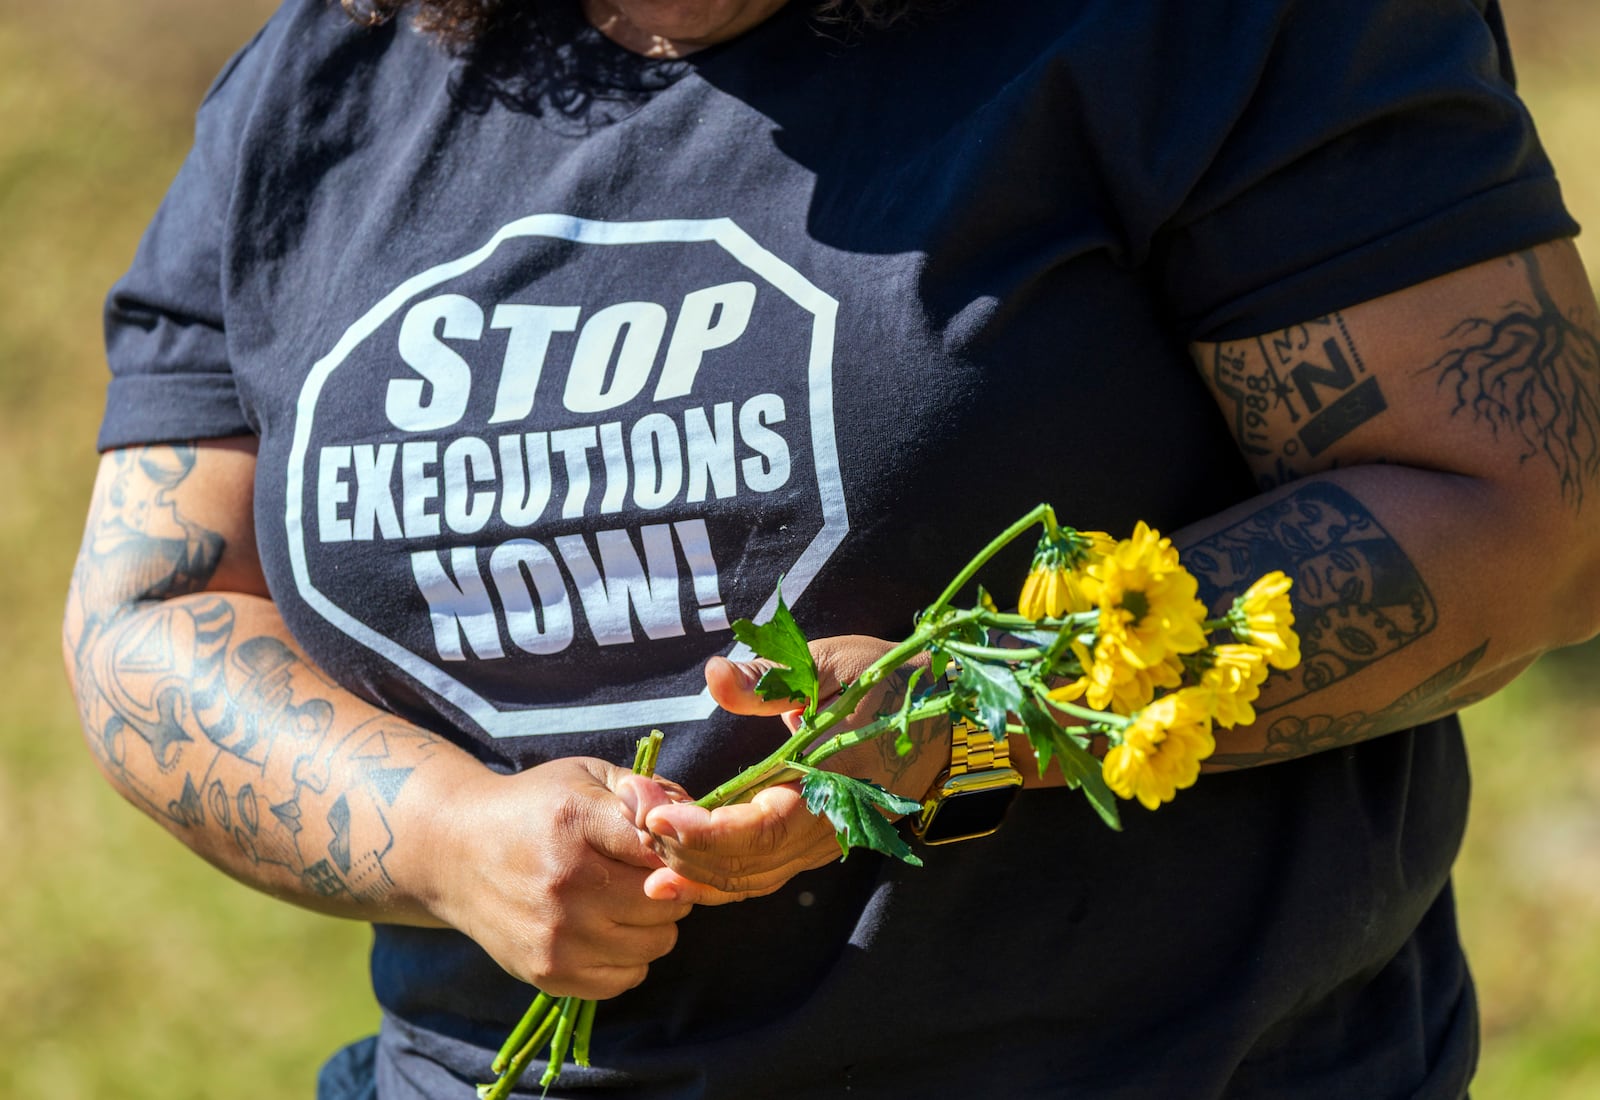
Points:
(460, 22)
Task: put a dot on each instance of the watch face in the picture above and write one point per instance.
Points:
(970, 814)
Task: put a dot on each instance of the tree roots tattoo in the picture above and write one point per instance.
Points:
(1532, 375)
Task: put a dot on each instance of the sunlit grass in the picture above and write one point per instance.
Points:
(136, 971)
(1529, 879)
(129, 970)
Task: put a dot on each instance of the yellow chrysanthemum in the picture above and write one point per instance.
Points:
(1235, 677)
(1119, 685)
(1054, 585)
(1052, 592)
(1069, 692)
(1147, 600)
(1263, 617)
(1097, 544)
(1161, 751)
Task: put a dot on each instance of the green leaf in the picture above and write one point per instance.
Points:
(855, 809)
(973, 633)
(1044, 733)
(1078, 764)
(995, 688)
(780, 640)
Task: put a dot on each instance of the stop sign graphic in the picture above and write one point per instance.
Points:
(543, 478)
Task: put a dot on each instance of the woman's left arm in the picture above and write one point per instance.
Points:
(1430, 466)
(1430, 473)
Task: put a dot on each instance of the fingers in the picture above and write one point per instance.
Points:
(736, 852)
(590, 929)
(641, 794)
(601, 964)
(611, 820)
(594, 897)
(733, 683)
(733, 853)
(839, 660)
(733, 687)
(667, 883)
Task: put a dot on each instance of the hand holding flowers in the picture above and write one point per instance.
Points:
(1109, 651)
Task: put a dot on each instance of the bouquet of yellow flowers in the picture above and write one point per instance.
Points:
(1109, 650)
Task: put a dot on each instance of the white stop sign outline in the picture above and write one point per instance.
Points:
(584, 718)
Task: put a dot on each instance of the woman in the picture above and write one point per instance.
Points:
(470, 382)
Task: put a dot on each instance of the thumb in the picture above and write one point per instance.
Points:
(617, 830)
(733, 687)
(641, 794)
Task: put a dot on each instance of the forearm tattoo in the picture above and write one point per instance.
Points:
(229, 739)
(1532, 375)
(138, 546)
(892, 693)
(1357, 597)
(1294, 735)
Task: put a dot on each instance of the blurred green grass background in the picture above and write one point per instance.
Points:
(128, 969)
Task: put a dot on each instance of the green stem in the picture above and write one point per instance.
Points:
(850, 738)
(519, 1035)
(530, 1049)
(842, 706)
(647, 752)
(580, 1036)
(993, 653)
(930, 627)
(562, 1040)
(1096, 717)
(1042, 513)
(536, 1041)
(764, 773)
(1011, 621)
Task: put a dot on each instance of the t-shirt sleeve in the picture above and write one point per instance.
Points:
(1379, 144)
(165, 328)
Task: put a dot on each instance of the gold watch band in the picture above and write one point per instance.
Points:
(975, 749)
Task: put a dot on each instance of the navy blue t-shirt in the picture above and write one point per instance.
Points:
(561, 359)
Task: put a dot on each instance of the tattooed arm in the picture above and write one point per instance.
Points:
(201, 711)
(1430, 465)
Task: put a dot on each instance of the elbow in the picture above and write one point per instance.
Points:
(85, 626)
(74, 640)
(1581, 605)
(1531, 581)
(76, 653)
(1561, 573)
(83, 636)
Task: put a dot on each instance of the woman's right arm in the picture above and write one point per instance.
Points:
(201, 711)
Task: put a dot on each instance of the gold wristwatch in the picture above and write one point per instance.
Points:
(971, 797)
